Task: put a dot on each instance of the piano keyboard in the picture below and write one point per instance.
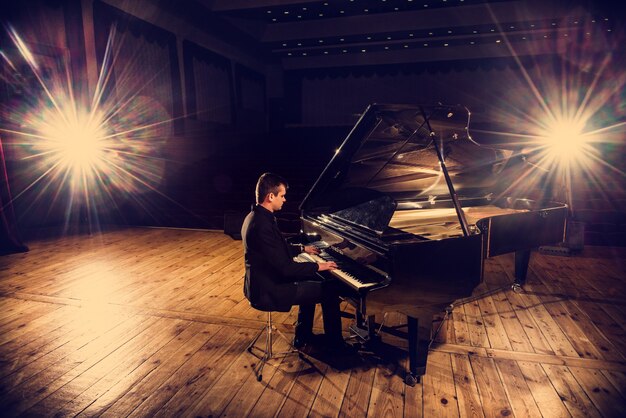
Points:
(357, 281)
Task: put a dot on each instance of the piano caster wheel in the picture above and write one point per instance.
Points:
(259, 378)
(449, 309)
(517, 288)
(411, 379)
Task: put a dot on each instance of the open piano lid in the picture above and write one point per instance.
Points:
(390, 157)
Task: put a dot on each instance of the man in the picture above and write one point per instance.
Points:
(273, 279)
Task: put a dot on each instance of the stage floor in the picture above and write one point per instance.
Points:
(153, 322)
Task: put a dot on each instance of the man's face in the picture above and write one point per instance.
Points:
(277, 200)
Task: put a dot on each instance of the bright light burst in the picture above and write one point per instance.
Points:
(77, 144)
(566, 143)
(567, 113)
(87, 159)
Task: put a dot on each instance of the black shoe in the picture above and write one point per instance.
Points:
(300, 341)
(310, 341)
(340, 347)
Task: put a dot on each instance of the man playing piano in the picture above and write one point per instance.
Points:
(272, 276)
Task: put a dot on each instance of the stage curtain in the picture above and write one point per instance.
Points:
(10, 241)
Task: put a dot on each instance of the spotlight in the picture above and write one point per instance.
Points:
(565, 141)
(74, 142)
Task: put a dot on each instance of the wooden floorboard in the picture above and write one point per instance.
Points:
(153, 322)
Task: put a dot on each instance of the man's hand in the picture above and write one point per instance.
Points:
(329, 265)
(310, 249)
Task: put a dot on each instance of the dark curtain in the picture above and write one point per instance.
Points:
(10, 241)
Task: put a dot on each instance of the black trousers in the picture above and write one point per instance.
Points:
(326, 293)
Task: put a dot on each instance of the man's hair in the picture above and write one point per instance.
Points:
(268, 183)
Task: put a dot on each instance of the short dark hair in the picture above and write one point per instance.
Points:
(268, 183)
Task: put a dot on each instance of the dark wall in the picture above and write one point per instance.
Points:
(213, 131)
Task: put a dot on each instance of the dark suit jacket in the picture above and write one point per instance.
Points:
(272, 277)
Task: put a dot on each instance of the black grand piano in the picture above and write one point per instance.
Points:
(410, 206)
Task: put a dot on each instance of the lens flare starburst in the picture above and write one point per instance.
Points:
(566, 143)
(77, 144)
(565, 113)
(84, 160)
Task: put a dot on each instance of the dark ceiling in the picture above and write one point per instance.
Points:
(309, 34)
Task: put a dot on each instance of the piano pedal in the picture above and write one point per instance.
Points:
(363, 328)
(359, 333)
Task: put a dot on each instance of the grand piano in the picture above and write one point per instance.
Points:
(410, 206)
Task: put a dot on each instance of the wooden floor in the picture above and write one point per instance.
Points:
(152, 322)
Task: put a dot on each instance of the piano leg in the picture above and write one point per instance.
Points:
(522, 258)
(419, 340)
